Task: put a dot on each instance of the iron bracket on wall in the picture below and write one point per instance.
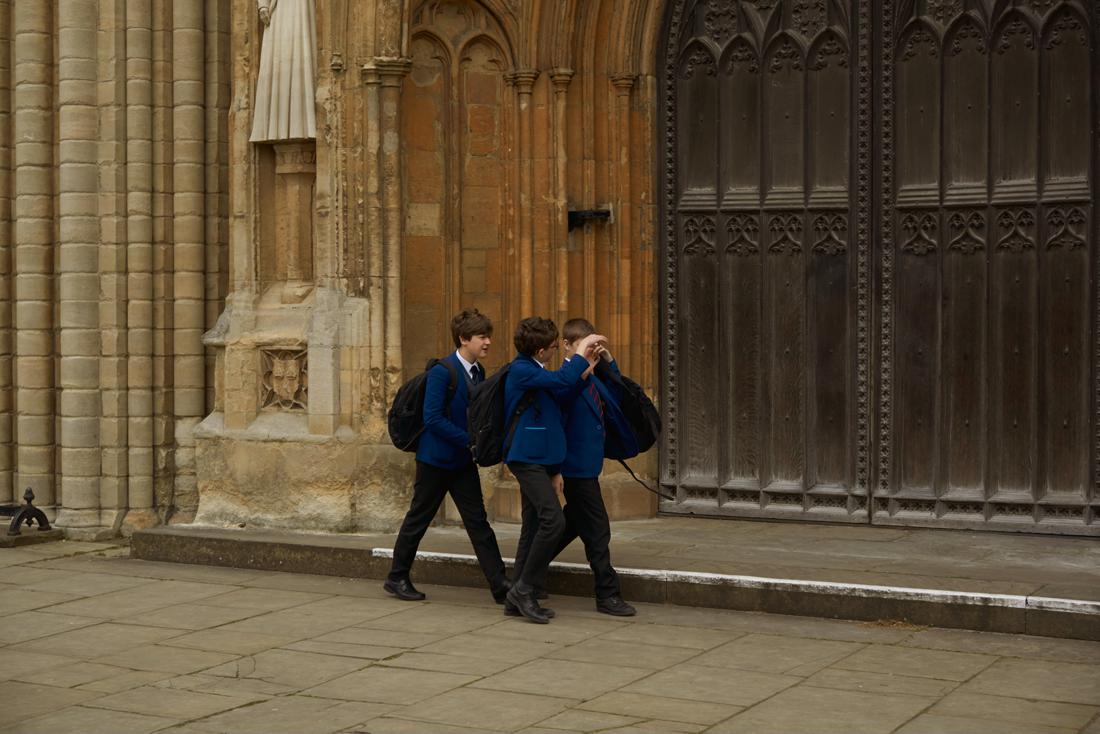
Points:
(24, 514)
(577, 217)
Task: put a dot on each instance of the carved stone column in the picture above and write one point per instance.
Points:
(559, 226)
(79, 280)
(32, 256)
(524, 81)
(372, 386)
(140, 290)
(189, 251)
(7, 194)
(392, 71)
(623, 265)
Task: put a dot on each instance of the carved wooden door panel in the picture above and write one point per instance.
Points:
(761, 332)
(879, 242)
(988, 336)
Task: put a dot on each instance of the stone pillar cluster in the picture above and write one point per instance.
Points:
(112, 218)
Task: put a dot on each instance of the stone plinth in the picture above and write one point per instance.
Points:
(275, 474)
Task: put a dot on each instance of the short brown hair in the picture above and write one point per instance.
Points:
(468, 324)
(534, 333)
(575, 329)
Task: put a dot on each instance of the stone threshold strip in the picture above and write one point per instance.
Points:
(1049, 616)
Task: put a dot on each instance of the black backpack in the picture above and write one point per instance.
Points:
(406, 416)
(490, 430)
(640, 412)
(642, 417)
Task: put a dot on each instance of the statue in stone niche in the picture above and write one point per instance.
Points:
(285, 95)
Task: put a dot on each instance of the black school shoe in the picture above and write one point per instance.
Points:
(404, 590)
(526, 605)
(510, 610)
(615, 606)
(500, 594)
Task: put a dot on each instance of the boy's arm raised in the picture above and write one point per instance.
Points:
(533, 377)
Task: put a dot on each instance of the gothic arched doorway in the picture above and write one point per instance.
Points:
(879, 261)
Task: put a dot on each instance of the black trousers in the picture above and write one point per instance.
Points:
(543, 524)
(586, 518)
(429, 488)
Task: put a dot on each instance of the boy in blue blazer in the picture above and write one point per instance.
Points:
(587, 418)
(444, 463)
(535, 448)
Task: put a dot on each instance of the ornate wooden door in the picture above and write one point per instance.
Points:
(879, 261)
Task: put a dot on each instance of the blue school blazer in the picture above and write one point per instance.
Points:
(445, 441)
(539, 437)
(586, 427)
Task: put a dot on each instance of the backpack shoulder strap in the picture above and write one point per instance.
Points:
(657, 492)
(524, 403)
(452, 386)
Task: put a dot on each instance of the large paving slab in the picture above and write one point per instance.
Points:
(827, 712)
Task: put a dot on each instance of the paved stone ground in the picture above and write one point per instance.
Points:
(96, 642)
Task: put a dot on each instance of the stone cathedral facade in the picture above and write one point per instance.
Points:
(850, 245)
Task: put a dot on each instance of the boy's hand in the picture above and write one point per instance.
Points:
(605, 354)
(587, 348)
(558, 483)
(598, 352)
(586, 344)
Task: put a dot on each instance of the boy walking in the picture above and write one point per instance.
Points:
(537, 448)
(444, 463)
(586, 419)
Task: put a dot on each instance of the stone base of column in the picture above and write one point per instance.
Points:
(86, 524)
(276, 474)
(139, 519)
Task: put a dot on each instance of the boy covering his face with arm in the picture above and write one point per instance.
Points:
(585, 430)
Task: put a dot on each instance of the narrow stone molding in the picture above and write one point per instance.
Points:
(78, 287)
(139, 265)
(7, 465)
(524, 82)
(392, 72)
(33, 262)
(374, 255)
(113, 436)
(560, 79)
(623, 265)
(189, 247)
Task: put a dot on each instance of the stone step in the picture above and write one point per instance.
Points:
(29, 536)
(367, 556)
